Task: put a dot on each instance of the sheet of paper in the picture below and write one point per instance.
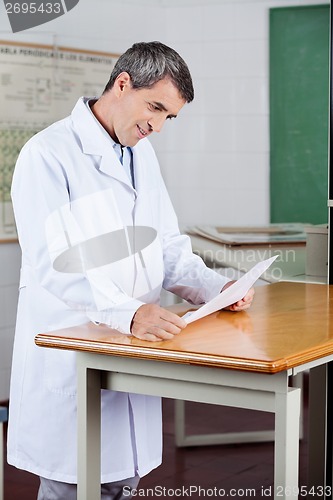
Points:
(232, 294)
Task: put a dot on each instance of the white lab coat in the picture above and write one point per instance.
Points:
(69, 188)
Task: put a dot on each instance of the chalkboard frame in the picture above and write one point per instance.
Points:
(298, 143)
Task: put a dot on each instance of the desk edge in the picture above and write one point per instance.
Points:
(208, 360)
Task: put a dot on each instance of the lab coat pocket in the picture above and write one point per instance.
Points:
(60, 372)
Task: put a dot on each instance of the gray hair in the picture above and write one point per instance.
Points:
(149, 62)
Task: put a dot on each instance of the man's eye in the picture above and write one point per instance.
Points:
(153, 107)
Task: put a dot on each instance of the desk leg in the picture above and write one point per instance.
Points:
(185, 440)
(287, 426)
(329, 433)
(89, 433)
(1, 460)
(317, 426)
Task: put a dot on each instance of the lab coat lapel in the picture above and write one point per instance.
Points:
(143, 208)
(138, 169)
(110, 165)
(97, 143)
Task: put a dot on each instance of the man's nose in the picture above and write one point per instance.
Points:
(156, 123)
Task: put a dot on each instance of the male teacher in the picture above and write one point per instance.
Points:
(99, 241)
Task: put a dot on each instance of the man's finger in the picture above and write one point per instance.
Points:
(173, 318)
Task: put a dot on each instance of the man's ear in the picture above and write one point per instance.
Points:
(122, 83)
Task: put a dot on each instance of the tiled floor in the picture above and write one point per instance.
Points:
(245, 468)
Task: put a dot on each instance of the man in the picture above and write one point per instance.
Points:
(99, 240)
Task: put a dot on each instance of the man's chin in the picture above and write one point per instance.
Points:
(131, 144)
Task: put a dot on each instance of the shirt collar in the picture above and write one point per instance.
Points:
(115, 145)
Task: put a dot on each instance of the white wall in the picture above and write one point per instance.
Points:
(97, 25)
(9, 277)
(107, 25)
(215, 156)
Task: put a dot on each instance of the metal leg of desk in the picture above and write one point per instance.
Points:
(329, 432)
(1, 461)
(3, 418)
(287, 429)
(252, 391)
(182, 439)
(287, 422)
(89, 433)
(320, 430)
(317, 426)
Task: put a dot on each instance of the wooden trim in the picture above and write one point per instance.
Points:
(10, 240)
(56, 47)
(166, 356)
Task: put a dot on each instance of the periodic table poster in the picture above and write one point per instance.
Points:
(40, 84)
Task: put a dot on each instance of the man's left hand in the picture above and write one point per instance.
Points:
(244, 303)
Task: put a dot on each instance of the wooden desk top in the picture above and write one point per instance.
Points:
(289, 324)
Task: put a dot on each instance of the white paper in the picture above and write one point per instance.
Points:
(232, 294)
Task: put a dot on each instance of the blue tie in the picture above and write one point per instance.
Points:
(127, 162)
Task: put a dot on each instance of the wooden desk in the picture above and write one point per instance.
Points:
(235, 359)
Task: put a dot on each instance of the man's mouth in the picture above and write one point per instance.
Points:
(142, 132)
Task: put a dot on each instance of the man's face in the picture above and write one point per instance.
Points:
(139, 112)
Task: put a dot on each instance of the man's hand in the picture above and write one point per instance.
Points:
(152, 322)
(242, 304)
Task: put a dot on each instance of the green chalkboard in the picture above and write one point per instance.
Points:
(299, 109)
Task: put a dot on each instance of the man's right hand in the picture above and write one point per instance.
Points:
(154, 323)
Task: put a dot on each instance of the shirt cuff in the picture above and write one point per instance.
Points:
(119, 317)
(216, 286)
